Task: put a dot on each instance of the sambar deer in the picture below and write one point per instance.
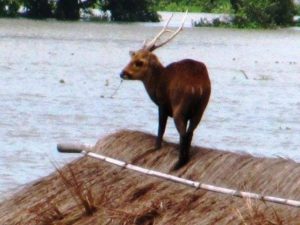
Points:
(180, 90)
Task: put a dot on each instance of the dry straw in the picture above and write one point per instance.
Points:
(123, 196)
(84, 149)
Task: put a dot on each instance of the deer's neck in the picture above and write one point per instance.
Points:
(152, 82)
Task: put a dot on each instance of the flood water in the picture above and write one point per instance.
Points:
(57, 79)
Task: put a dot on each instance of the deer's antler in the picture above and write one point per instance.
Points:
(152, 45)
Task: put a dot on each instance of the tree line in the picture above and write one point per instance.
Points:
(247, 13)
(121, 10)
(41, 9)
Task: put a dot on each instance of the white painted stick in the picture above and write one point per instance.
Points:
(85, 150)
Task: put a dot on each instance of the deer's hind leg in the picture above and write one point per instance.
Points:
(186, 133)
(194, 122)
(181, 123)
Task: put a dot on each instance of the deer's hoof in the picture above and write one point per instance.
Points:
(179, 165)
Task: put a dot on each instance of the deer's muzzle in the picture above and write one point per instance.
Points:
(124, 75)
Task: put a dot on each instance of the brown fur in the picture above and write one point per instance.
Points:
(180, 90)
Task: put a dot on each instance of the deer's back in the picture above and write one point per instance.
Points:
(186, 76)
(186, 84)
(188, 70)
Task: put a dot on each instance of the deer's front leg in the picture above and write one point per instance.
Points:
(162, 121)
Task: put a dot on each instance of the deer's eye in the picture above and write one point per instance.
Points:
(139, 63)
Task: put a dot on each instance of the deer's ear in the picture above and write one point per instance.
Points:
(153, 60)
(131, 53)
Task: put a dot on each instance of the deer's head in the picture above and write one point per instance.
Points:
(143, 61)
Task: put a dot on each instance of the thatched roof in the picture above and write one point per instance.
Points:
(126, 197)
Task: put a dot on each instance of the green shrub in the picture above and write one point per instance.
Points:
(265, 13)
(131, 10)
(284, 12)
(9, 8)
(70, 9)
(172, 7)
(67, 10)
(298, 10)
(38, 9)
(214, 6)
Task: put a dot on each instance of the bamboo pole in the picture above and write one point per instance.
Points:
(86, 150)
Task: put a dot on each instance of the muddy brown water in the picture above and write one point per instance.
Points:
(57, 79)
